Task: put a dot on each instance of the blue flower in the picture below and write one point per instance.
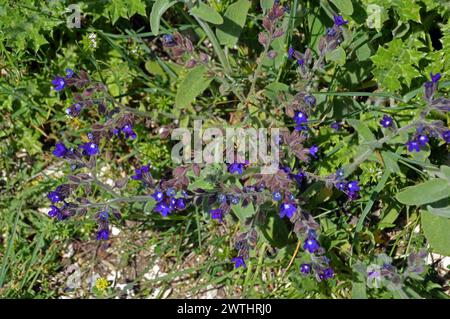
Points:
(163, 209)
(340, 173)
(168, 40)
(55, 197)
(180, 204)
(90, 148)
(234, 199)
(60, 150)
(339, 21)
(221, 198)
(59, 83)
(54, 211)
(216, 214)
(386, 121)
(238, 262)
(353, 187)
(301, 62)
(236, 168)
(446, 136)
(171, 192)
(341, 186)
(336, 126)
(139, 172)
(287, 209)
(103, 234)
(413, 146)
(158, 196)
(69, 73)
(327, 273)
(300, 118)
(290, 52)
(435, 78)
(305, 268)
(311, 244)
(276, 196)
(310, 100)
(313, 151)
(422, 140)
(127, 130)
(103, 216)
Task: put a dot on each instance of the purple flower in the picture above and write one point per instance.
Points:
(222, 198)
(90, 148)
(287, 209)
(313, 151)
(163, 209)
(54, 211)
(290, 52)
(158, 196)
(103, 216)
(305, 268)
(298, 177)
(276, 196)
(336, 126)
(236, 168)
(340, 173)
(446, 136)
(60, 150)
(435, 78)
(311, 245)
(310, 100)
(55, 197)
(422, 140)
(69, 73)
(139, 172)
(341, 186)
(103, 234)
(170, 192)
(58, 83)
(386, 121)
(327, 273)
(300, 118)
(180, 204)
(127, 130)
(413, 146)
(238, 262)
(353, 187)
(234, 199)
(339, 21)
(301, 62)
(168, 40)
(216, 214)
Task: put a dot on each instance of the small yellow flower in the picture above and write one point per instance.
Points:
(101, 284)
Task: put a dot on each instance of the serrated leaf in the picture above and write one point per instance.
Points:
(397, 64)
(193, 85)
(424, 193)
(234, 20)
(206, 13)
(158, 9)
(344, 6)
(437, 232)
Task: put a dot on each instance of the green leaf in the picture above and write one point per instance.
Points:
(158, 9)
(444, 212)
(206, 13)
(337, 55)
(193, 85)
(424, 193)
(398, 64)
(437, 232)
(234, 20)
(363, 130)
(344, 6)
(243, 213)
(266, 4)
(407, 10)
(376, 16)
